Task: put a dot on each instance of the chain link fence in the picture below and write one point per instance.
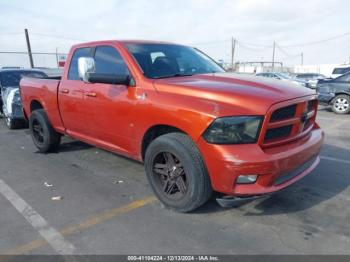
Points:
(21, 59)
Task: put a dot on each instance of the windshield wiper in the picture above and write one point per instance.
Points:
(173, 75)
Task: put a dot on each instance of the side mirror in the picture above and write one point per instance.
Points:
(109, 79)
(86, 65)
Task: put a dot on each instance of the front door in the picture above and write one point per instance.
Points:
(109, 118)
(71, 98)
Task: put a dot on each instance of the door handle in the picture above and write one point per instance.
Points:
(64, 91)
(92, 94)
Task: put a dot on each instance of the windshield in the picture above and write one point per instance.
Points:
(281, 75)
(168, 60)
(12, 78)
(341, 70)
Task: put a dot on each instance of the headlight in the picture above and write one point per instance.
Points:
(234, 130)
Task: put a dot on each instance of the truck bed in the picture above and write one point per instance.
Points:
(42, 92)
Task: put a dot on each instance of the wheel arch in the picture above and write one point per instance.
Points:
(156, 131)
(35, 105)
(342, 93)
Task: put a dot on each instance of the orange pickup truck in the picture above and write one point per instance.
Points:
(196, 128)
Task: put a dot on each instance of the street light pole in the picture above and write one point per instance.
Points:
(302, 58)
(233, 52)
(273, 56)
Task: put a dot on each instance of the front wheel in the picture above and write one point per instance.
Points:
(176, 172)
(45, 138)
(341, 104)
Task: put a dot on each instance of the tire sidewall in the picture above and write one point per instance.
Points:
(192, 172)
(339, 112)
(39, 115)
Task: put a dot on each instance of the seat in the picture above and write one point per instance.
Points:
(163, 66)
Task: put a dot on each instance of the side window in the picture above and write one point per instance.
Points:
(73, 73)
(343, 78)
(109, 61)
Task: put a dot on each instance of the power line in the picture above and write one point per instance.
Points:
(34, 53)
(11, 34)
(258, 45)
(58, 37)
(284, 52)
(212, 42)
(239, 43)
(319, 41)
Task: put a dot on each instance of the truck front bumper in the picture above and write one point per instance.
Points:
(276, 168)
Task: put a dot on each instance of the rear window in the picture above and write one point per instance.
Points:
(12, 78)
(341, 70)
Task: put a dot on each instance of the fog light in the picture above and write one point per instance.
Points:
(246, 179)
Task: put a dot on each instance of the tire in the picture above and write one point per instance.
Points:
(45, 138)
(11, 123)
(177, 173)
(341, 104)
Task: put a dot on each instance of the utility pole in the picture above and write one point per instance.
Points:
(233, 52)
(273, 56)
(302, 58)
(57, 57)
(29, 48)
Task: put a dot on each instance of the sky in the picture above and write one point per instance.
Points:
(206, 24)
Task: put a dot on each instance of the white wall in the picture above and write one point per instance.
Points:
(325, 69)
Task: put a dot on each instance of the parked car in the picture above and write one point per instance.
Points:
(335, 92)
(196, 128)
(10, 98)
(11, 67)
(340, 70)
(310, 78)
(284, 77)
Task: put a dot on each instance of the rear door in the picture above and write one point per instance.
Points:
(71, 98)
(342, 83)
(110, 106)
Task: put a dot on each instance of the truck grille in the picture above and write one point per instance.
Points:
(283, 113)
(278, 132)
(289, 123)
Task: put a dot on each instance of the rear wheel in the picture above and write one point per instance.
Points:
(176, 172)
(341, 104)
(45, 138)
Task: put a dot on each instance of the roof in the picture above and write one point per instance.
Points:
(122, 42)
(22, 70)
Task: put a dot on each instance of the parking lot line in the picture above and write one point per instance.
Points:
(335, 159)
(98, 219)
(51, 235)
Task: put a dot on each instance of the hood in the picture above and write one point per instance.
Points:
(241, 93)
(299, 80)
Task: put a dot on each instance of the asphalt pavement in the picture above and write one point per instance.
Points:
(104, 205)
